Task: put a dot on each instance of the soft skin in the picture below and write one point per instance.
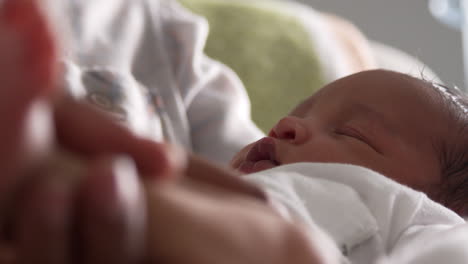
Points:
(382, 120)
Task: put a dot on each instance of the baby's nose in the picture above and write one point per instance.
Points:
(291, 129)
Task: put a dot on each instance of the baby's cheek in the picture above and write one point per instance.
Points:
(317, 151)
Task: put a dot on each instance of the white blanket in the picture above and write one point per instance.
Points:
(368, 215)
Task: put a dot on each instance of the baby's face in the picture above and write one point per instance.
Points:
(381, 120)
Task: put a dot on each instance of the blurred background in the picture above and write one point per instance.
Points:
(407, 25)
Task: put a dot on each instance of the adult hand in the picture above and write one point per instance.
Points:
(224, 178)
(47, 213)
(191, 222)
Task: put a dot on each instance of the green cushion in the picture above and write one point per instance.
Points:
(267, 47)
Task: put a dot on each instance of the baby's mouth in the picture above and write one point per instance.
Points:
(260, 157)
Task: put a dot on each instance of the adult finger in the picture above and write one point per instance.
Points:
(30, 148)
(226, 228)
(30, 27)
(112, 213)
(85, 215)
(28, 52)
(44, 210)
(27, 64)
(27, 69)
(86, 130)
(226, 179)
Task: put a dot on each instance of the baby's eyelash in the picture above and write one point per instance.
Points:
(348, 131)
(354, 133)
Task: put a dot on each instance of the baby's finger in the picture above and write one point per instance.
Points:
(99, 135)
(112, 213)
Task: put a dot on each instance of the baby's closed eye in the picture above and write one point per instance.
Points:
(358, 134)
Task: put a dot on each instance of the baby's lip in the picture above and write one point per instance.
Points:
(260, 157)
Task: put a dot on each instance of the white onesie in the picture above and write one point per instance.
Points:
(368, 215)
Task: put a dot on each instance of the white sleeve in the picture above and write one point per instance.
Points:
(217, 105)
(159, 45)
(219, 115)
(372, 216)
(298, 194)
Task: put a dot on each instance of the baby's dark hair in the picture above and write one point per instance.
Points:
(453, 151)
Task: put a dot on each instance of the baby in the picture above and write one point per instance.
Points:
(407, 129)
(412, 132)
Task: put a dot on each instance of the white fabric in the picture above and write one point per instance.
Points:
(142, 61)
(366, 214)
(448, 246)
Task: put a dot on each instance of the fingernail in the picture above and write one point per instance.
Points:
(38, 130)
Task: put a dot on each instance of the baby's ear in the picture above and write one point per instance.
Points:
(28, 49)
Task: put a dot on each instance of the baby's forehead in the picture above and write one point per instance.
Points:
(379, 86)
(400, 99)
